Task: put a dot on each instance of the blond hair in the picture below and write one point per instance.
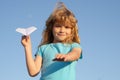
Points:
(63, 16)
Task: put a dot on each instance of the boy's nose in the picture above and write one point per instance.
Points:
(62, 29)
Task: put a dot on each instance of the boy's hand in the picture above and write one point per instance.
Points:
(62, 57)
(26, 42)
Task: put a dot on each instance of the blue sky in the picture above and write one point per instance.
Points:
(99, 30)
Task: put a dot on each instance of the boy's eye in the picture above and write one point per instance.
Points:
(67, 27)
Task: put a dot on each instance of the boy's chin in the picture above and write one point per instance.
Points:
(59, 40)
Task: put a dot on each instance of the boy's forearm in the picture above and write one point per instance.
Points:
(30, 61)
(74, 55)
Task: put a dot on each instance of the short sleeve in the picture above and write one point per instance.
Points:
(39, 52)
(77, 45)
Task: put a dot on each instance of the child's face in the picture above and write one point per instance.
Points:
(61, 32)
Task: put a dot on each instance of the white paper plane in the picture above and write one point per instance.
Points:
(26, 31)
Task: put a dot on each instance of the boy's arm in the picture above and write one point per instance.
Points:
(71, 56)
(74, 54)
(33, 65)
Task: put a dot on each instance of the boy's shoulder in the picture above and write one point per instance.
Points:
(74, 44)
(44, 45)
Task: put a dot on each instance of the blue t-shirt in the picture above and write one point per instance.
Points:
(56, 70)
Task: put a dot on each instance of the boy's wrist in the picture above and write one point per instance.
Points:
(27, 47)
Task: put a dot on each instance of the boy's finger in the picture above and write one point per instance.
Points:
(58, 59)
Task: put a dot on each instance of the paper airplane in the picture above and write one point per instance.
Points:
(26, 31)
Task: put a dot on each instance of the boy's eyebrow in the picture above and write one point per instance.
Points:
(62, 25)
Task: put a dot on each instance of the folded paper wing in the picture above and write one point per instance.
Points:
(26, 31)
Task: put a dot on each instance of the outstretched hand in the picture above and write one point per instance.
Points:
(62, 57)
